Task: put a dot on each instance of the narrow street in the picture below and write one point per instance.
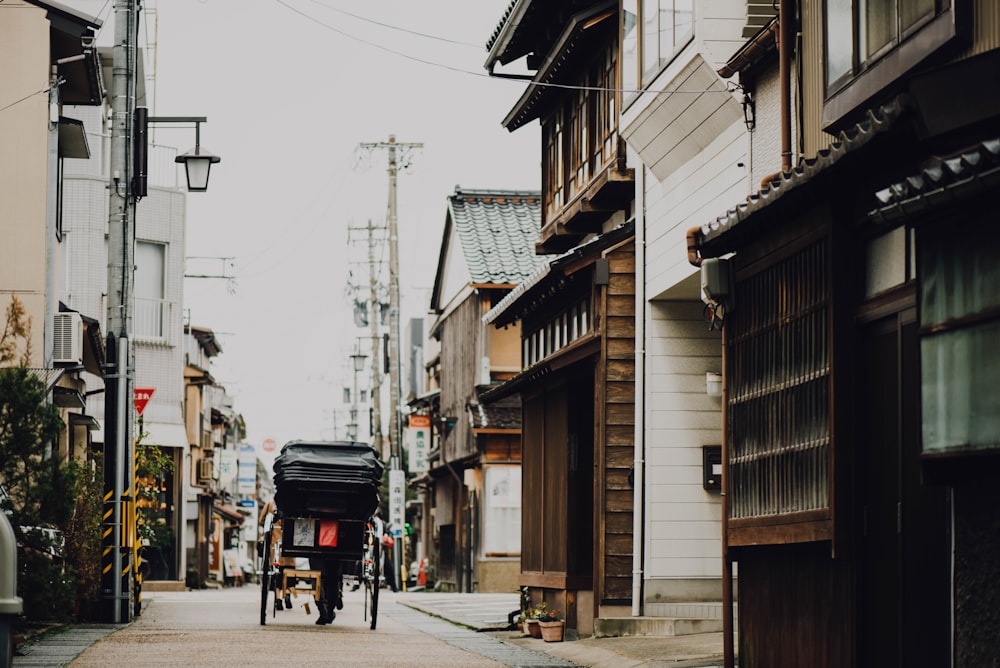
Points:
(222, 628)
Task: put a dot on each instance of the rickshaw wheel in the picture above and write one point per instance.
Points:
(265, 577)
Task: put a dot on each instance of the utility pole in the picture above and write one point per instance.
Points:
(373, 325)
(392, 146)
(116, 587)
(396, 481)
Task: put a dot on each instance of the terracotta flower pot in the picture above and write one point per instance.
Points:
(534, 628)
(552, 631)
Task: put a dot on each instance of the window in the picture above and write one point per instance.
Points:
(150, 307)
(778, 362)
(502, 520)
(580, 137)
(959, 327)
(860, 33)
(653, 32)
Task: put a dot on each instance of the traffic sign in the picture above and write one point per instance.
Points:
(142, 397)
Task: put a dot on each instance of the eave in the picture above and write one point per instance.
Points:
(607, 193)
(585, 32)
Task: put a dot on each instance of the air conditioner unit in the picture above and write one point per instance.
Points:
(205, 469)
(206, 441)
(67, 339)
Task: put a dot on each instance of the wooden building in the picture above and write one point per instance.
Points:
(861, 295)
(473, 485)
(576, 314)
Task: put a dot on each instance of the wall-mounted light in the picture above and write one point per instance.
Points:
(713, 384)
(749, 111)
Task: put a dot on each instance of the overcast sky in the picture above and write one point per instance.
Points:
(290, 89)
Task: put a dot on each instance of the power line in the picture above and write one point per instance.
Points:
(485, 75)
(393, 27)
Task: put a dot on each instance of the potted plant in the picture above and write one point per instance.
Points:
(551, 625)
(531, 626)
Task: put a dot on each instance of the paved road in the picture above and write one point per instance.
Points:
(222, 628)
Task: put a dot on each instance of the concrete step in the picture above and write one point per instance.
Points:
(617, 627)
(163, 585)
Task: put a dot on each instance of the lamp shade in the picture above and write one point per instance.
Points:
(197, 164)
(359, 361)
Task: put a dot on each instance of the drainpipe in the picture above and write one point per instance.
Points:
(728, 649)
(786, 36)
(694, 255)
(639, 440)
(786, 43)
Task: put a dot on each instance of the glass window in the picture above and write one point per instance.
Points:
(630, 46)
(502, 521)
(960, 327)
(150, 307)
(860, 32)
(666, 26)
(838, 39)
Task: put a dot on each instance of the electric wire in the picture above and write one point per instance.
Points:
(394, 27)
(485, 75)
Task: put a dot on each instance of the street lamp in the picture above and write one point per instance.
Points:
(359, 365)
(197, 161)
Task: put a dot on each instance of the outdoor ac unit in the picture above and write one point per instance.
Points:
(206, 440)
(67, 339)
(205, 469)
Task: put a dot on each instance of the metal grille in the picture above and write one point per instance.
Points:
(779, 388)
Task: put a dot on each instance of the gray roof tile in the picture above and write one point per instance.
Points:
(497, 230)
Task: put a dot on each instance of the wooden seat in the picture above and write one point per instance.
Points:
(300, 576)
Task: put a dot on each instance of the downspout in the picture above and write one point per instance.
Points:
(694, 257)
(728, 649)
(786, 36)
(51, 197)
(639, 441)
(786, 43)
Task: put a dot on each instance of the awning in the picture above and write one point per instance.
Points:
(229, 512)
(165, 434)
(81, 420)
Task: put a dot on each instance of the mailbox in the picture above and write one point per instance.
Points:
(712, 467)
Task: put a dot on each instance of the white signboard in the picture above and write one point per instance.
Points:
(247, 481)
(418, 436)
(397, 497)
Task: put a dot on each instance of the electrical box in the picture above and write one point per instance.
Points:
(716, 282)
(712, 467)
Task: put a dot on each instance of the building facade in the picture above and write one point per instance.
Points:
(859, 284)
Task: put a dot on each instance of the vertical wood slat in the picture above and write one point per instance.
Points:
(779, 425)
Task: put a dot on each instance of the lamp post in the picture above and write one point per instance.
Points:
(359, 365)
(127, 184)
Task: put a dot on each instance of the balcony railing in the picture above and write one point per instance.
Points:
(152, 319)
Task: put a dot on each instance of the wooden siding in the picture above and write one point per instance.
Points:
(615, 449)
(795, 608)
(684, 529)
(532, 431)
(461, 354)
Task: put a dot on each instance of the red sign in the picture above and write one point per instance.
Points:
(269, 445)
(420, 421)
(142, 397)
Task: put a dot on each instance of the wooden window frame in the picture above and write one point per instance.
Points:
(779, 417)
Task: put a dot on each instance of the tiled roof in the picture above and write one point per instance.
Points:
(497, 230)
(802, 175)
(942, 178)
(550, 272)
(503, 414)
